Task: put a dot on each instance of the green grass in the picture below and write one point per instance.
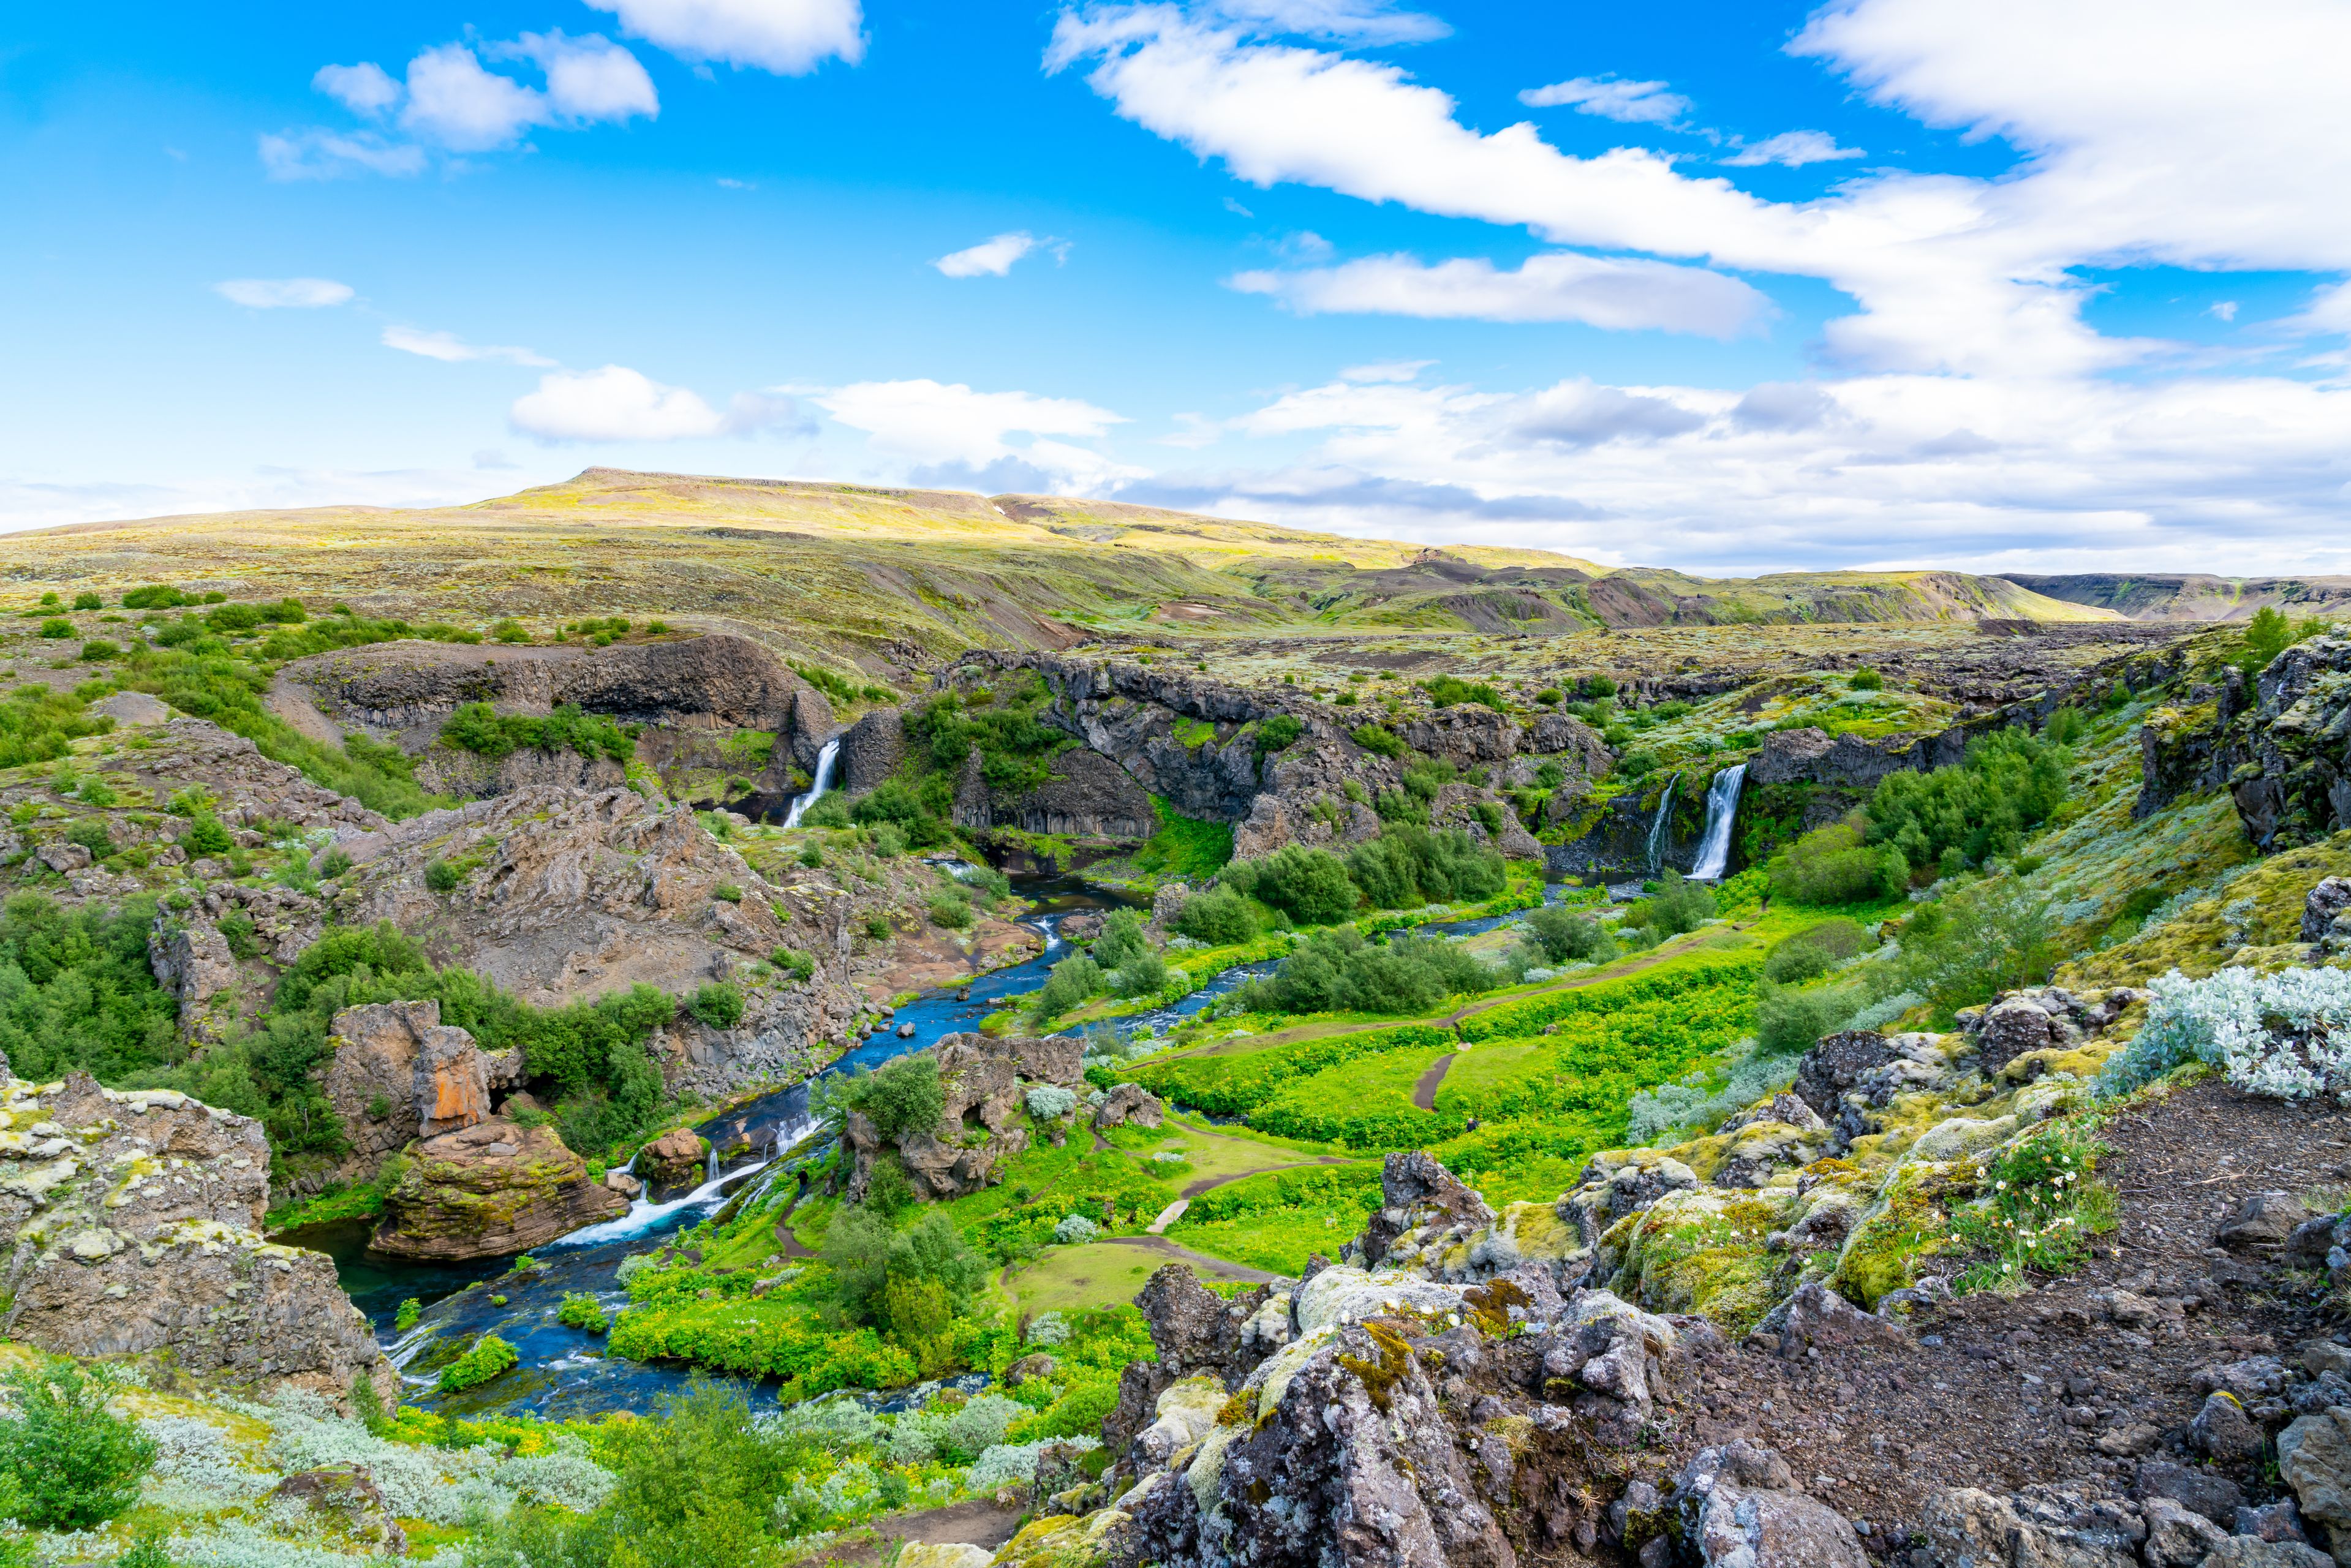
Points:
(1183, 849)
(1069, 1278)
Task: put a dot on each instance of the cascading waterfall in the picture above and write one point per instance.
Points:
(1721, 807)
(823, 781)
(710, 1165)
(1657, 828)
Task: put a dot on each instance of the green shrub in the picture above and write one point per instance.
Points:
(37, 724)
(582, 1311)
(155, 596)
(1444, 691)
(1338, 971)
(2008, 785)
(1814, 951)
(57, 628)
(1377, 739)
(2040, 1203)
(1122, 939)
(1866, 680)
(1565, 937)
(1833, 865)
(902, 1095)
(1311, 886)
(66, 1462)
(479, 727)
(951, 908)
(2269, 633)
(489, 1357)
(1277, 733)
(1219, 917)
(2066, 727)
(1143, 975)
(442, 877)
(1789, 1020)
(1964, 950)
(1068, 985)
(1407, 867)
(98, 650)
(405, 1318)
(86, 601)
(1678, 906)
(719, 1004)
(800, 966)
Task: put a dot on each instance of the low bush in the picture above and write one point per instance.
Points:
(482, 729)
(1834, 864)
(1311, 886)
(1378, 740)
(1564, 936)
(66, 1462)
(1069, 984)
(902, 1095)
(1407, 867)
(582, 1311)
(1220, 917)
(1339, 971)
(488, 1357)
(77, 990)
(1814, 951)
(719, 1004)
(1678, 905)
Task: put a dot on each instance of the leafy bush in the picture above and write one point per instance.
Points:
(2065, 726)
(97, 650)
(582, 1311)
(2009, 784)
(1277, 733)
(1789, 1020)
(206, 836)
(2269, 633)
(1075, 1229)
(1049, 1102)
(77, 990)
(1678, 906)
(1016, 745)
(718, 1003)
(1144, 974)
(1068, 985)
(1446, 690)
(1866, 680)
(1814, 951)
(489, 1357)
(902, 1095)
(1121, 939)
(1407, 867)
(1966, 950)
(951, 908)
(1564, 936)
(1377, 739)
(480, 729)
(1338, 971)
(441, 877)
(66, 1462)
(1311, 886)
(1833, 865)
(57, 628)
(1219, 917)
(37, 724)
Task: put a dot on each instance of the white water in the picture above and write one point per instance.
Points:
(1656, 848)
(824, 759)
(1721, 807)
(643, 1216)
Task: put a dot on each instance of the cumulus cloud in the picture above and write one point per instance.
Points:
(929, 422)
(790, 38)
(1386, 371)
(284, 292)
(450, 101)
(1634, 103)
(449, 349)
(1360, 22)
(617, 404)
(364, 88)
(1793, 148)
(1621, 294)
(994, 257)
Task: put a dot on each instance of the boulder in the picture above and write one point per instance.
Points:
(347, 1494)
(192, 960)
(1968, 1528)
(871, 751)
(494, 1188)
(1128, 1102)
(1817, 1315)
(2177, 1537)
(2327, 904)
(1420, 1199)
(399, 1073)
(2263, 1219)
(135, 1232)
(2223, 1432)
(1836, 1064)
(2314, 1457)
(2192, 1487)
(2252, 1551)
(2008, 1028)
(673, 1159)
(1739, 1508)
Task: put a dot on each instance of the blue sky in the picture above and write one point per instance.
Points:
(1727, 288)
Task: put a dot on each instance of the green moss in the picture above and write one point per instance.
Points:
(1906, 1226)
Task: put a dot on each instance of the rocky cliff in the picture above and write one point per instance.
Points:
(2280, 744)
(131, 1222)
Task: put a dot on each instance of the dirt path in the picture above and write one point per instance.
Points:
(1678, 949)
(1997, 1391)
(1216, 1267)
(1423, 1093)
(978, 1522)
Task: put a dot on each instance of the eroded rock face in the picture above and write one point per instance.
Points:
(983, 1080)
(1128, 1102)
(399, 1073)
(131, 1222)
(871, 751)
(494, 1188)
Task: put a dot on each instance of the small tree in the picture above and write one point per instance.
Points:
(65, 1461)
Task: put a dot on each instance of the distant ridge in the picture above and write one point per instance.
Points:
(2189, 596)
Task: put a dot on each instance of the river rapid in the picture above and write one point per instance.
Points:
(563, 1371)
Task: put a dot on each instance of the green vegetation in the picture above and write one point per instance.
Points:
(489, 1357)
(1016, 745)
(77, 990)
(1338, 971)
(38, 725)
(66, 1462)
(2040, 1202)
(479, 728)
(1183, 850)
(584, 1312)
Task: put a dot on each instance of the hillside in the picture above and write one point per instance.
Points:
(2190, 596)
(894, 580)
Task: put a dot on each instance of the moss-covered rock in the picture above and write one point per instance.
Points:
(492, 1189)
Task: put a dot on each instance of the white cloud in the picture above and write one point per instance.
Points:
(449, 349)
(1634, 102)
(452, 100)
(926, 422)
(284, 292)
(1793, 148)
(791, 38)
(1386, 371)
(590, 79)
(994, 257)
(364, 88)
(1361, 22)
(316, 154)
(1616, 293)
(617, 404)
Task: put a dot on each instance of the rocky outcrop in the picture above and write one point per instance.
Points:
(495, 1188)
(673, 1159)
(567, 893)
(718, 681)
(1128, 1102)
(871, 751)
(983, 1080)
(1085, 795)
(246, 787)
(192, 960)
(2290, 755)
(399, 1073)
(469, 776)
(131, 1224)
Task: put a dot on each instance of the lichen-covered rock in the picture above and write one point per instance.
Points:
(1128, 1102)
(495, 1188)
(674, 1158)
(1740, 1507)
(192, 960)
(348, 1495)
(2314, 1459)
(1422, 1204)
(982, 1077)
(131, 1224)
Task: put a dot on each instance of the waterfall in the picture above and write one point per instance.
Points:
(710, 1166)
(1657, 828)
(1721, 807)
(824, 759)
